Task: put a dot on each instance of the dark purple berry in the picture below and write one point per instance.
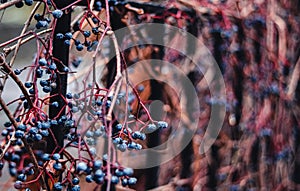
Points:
(19, 4)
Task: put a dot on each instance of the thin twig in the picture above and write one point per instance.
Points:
(26, 25)
(116, 92)
(9, 71)
(11, 48)
(9, 4)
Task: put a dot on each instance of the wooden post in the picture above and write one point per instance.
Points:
(61, 52)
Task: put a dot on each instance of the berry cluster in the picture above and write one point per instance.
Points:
(82, 116)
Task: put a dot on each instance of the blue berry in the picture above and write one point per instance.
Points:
(12, 164)
(13, 171)
(119, 126)
(91, 141)
(89, 178)
(76, 62)
(95, 30)
(75, 181)
(98, 164)
(234, 188)
(19, 142)
(99, 173)
(138, 146)
(64, 118)
(4, 133)
(41, 24)
(30, 172)
(143, 137)
(45, 125)
(99, 180)
(67, 42)
(53, 122)
(28, 2)
(19, 134)
(108, 103)
(26, 105)
(57, 166)
(138, 135)
(114, 179)
(46, 89)
(76, 188)
(117, 140)
(52, 66)
(76, 96)
(18, 184)
(55, 104)
(69, 35)
(31, 91)
(95, 20)
(132, 181)
(76, 26)
(98, 133)
(89, 48)
(1, 165)
(21, 127)
(45, 133)
(39, 73)
(124, 182)
(57, 13)
(75, 109)
(15, 158)
(58, 186)
(38, 17)
(98, 6)
(69, 96)
(19, 4)
(42, 62)
(22, 177)
(162, 124)
(76, 42)
(151, 128)
(46, 157)
(10, 129)
(81, 166)
(38, 137)
(56, 156)
(132, 145)
(89, 134)
(7, 124)
(44, 83)
(87, 33)
(66, 69)
(17, 71)
(79, 47)
(33, 130)
(59, 36)
(128, 171)
(98, 102)
(122, 147)
(119, 173)
(28, 84)
(140, 88)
